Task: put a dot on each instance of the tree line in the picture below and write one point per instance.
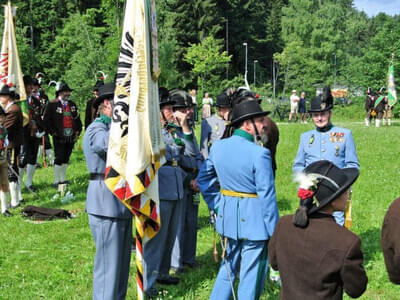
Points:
(304, 43)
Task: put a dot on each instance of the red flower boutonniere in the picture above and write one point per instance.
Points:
(304, 194)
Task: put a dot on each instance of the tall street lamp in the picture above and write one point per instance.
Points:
(245, 70)
(255, 61)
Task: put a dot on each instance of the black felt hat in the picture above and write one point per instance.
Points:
(164, 98)
(245, 110)
(179, 97)
(322, 102)
(7, 91)
(331, 182)
(106, 91)
(63, 87)
(97, 85)
(223, 100)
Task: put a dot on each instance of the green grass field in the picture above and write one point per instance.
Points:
(54, 260)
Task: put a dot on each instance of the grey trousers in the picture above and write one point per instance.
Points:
(113, 239)
(157, 251)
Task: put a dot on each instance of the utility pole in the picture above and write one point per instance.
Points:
(255, 61)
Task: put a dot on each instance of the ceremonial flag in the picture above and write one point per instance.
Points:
(10, 68)
(392, 96)
(136, 148)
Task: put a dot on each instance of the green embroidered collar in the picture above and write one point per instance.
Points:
(244, 134)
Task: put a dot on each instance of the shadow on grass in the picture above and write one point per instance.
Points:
(371, 244)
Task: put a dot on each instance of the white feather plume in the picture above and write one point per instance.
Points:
(304, 180)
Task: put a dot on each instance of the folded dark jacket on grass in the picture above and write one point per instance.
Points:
(43, 213)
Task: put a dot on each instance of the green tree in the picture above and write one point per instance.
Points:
(208, 61)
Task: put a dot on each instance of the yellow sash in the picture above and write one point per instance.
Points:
(238, 194)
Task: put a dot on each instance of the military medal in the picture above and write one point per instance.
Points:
(311, 140)
(337, 150)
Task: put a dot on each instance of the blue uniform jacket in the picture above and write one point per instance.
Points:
(240, 165)
(336, 145)
(100, 201)
(212, 130)
(170, 178)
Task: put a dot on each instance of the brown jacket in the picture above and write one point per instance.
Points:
(319, 261)
(391, 241)
(13, 124)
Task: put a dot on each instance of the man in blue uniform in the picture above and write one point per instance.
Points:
(184, 251)
(157, 251)
(110, 221)
(245, 205)
(213, 127)
(326, 141)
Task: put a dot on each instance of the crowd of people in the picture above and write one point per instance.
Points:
(234, 170)
(27, 131)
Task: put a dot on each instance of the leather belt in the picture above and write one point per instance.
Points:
(96, 176)
(237, 194)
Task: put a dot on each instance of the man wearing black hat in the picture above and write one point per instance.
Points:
(213, 128)
(110, 220)
(33, 131)
(62, 121)
(245, 204)
(157, 251)
(184, 251)
(318, 259)
(90, 113)
(13, 124)
(326, 141)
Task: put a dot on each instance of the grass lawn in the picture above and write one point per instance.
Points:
(54, 260)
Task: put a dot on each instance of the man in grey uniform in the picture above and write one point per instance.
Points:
(213, 127)
(110, 221)
(157, 251)
(184, 251)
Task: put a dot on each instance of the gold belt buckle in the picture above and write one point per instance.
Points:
(174, 163)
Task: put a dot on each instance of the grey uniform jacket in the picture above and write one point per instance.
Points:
(100, 201)
(212, 130)
(170, 175)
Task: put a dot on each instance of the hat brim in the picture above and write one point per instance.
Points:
(249, 116)
(329, 107)
(169, 102)
(352, 175)
(98, 100)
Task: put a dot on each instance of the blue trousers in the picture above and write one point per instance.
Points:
(113, 239)
(190, 231)
(250, 260)
(157, 251)
(184, 250)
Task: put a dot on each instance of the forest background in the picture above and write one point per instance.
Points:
(305, 43)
